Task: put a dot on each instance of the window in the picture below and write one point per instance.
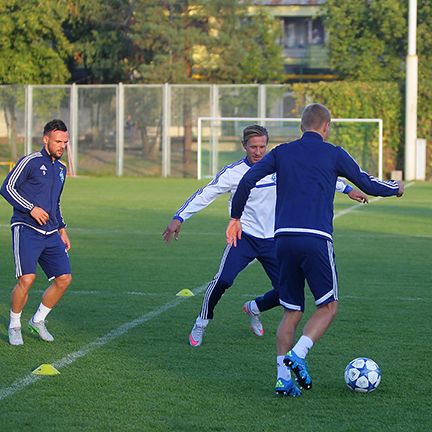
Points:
(299, 33)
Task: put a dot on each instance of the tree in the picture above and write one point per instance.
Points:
(218, 41)
(368, 42)
(367, 38)
(99, 33)
(246, 47)
(33, 50)
(189, 41)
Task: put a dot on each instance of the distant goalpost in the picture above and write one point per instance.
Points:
(218, 140)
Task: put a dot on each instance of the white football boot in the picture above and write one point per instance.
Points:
(41, 330)
(255, 322)
(15, 336)
(196, 335)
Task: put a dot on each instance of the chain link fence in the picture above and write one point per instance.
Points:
(132, 130)
(152, 130)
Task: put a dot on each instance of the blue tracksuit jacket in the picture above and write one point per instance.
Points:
(36, 181)
(307, 170)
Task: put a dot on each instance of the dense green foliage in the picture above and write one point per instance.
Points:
(180, 42)
(367, 38)
(347, 99)
(148, 379)
(368, 42)
(33, 50)
(33, 47)
(140, 41)
(99, 32)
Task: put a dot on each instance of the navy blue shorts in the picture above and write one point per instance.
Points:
(31, 247)
(306, 258)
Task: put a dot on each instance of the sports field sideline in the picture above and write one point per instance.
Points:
(121, 333)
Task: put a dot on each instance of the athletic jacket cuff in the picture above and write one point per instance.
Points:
(348, 189)
(178, 218)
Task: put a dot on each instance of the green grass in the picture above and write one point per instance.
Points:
(149, 379)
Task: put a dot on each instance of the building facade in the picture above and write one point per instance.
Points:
(303, 38)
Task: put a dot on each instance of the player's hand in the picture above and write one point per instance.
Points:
(39, 215)
(233, 232)
(401, 189)
(359, 196)
(65, 238)
(173, 229)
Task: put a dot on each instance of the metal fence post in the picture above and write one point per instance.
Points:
(120, 129)
(262, 101)
(74, 126)
(215, 127)
(166, 121)
(28, 118)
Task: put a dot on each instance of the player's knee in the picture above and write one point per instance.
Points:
(63, 281)
(224, 283)
(293, 318)
(26, 281)
(331, 308)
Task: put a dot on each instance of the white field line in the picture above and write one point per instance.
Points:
(29, 379)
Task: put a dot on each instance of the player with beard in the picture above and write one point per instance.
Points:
(33, 188)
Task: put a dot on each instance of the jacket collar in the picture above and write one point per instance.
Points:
(45, 154)
(246, 161)
(311, 134)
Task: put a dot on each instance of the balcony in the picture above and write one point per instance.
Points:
(310, 57)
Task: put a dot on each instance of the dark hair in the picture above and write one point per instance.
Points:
(254, 130)
(54, 125)
(314, 116)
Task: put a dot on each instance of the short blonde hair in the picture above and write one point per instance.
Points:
(252, 131)
(314, 116)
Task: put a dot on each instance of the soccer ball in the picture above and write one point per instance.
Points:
(362, 375)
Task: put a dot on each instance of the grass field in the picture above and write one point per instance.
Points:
(121, 333)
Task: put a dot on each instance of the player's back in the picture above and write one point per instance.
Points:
(306, 172)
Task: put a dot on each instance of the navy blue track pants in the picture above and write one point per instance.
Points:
(234, 260)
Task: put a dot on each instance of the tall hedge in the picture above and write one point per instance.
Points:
(348, 99)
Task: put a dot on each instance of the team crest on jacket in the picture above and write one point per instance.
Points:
(43, 169)
(61, 175)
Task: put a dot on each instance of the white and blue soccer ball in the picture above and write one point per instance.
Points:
(362, 375)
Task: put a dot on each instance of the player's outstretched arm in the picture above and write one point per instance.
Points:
(172, 230)
(233, 232)
(347, 167)
(357, 195)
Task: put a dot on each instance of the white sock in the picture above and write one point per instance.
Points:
(282, 370)
(41, 313)
(201, 322)
(15, 319)
(303, 345)
(254, 308)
